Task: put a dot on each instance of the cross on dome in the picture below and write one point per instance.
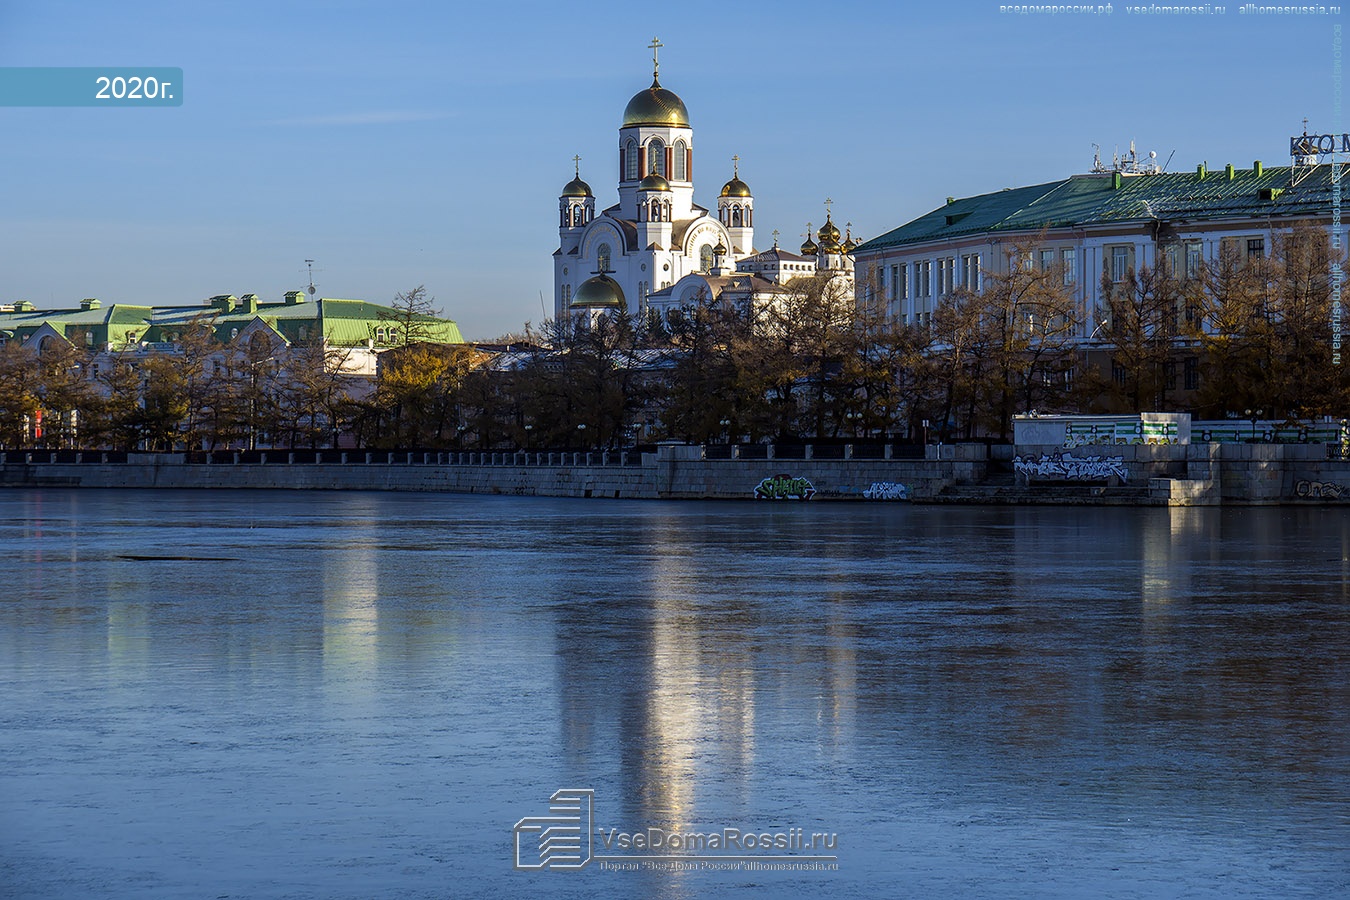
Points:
(656, 46)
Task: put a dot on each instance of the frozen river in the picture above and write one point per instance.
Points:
(351, 695)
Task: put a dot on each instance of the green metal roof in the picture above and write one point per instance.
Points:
(344, 322)
(1094, 200)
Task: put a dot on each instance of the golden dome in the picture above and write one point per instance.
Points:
(600, 291)
(720, 249)
(828, 233)
(653, 182)
(849, 244)
(577, 188)
(735, 188)
(656, 106)
(809, 248)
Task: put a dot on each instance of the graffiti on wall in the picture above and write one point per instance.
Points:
(784, 487)
(1320, 490)
(886, 490)
(1067, 467)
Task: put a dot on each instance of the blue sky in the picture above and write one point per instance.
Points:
(407, 143)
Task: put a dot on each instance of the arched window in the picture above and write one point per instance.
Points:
(705, 258)
(602, 254)
(735, 216)
(656, 157)
(679, 170)
(656, 211)
(630, 167)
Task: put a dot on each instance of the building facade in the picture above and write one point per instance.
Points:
(1095, 228)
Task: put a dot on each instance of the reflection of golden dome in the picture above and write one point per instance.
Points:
(600, 291)
(653, 182)
(735, 188)
(577, 188)
(656, 106)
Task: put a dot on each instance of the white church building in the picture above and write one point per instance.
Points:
(656, 248)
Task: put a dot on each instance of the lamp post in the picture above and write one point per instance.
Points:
(581, 433)
(529, 429)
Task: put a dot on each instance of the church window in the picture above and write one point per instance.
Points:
(736, 216)
(630, 161)
(680, 171)
(705, 258)
(656, 157)
(602, 255)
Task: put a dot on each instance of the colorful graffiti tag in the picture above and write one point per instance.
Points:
(1067, 467)
(784, 487)
(886, 490)
(1320, 490)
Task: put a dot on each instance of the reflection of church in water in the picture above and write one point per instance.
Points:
(657, 249)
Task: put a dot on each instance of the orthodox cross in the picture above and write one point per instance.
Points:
(735, 167)
(577, 160)
(828, 201)
(656, 45)
(775, 238)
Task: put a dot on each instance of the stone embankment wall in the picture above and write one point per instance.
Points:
(673, 472)
(1200, 474)
(1168, 474)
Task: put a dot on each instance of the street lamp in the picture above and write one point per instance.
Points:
(529, 427)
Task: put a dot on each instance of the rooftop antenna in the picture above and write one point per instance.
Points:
(309, 263)
(1169, 160)
(1097, 158)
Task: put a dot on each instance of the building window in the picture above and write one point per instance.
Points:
(946, 275)
(1194, 255)
(602, 256)
(1047, 260)
(1169, 259)
(566, 294)
(1190, 373)
(901, 274)
(1068, 259)
(923, 274)
(1256, 248)
(970, 272)
(1119, 374)
(679, 169)
(630, 161)
(705, 258)
(1120, 264)
(656, 157)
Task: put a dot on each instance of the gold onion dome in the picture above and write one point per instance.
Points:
(735, 188)
(577, 188)
(809, 248)
(656, 106)
(653, 182)
(828, 233)
(600, 291)
(849, 244)
(721, 248)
